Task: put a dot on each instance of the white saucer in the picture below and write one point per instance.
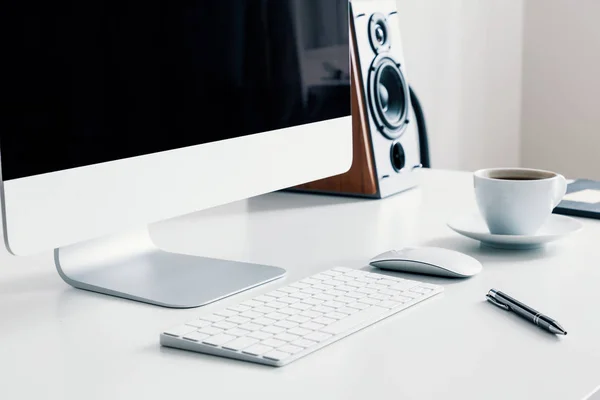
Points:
(474, 227)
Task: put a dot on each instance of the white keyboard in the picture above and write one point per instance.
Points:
(290, 322)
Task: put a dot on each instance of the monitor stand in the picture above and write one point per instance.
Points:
(132, 267)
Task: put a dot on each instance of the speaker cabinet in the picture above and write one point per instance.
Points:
(385, 133)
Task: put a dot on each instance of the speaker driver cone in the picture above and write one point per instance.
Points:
(379, 33)
(388, 97)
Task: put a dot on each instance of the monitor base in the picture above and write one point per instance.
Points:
(132, 267)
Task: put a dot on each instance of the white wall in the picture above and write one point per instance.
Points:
(464, 61)
(561, 87)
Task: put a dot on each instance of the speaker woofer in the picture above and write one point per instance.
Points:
(388, 97)
(379, 34)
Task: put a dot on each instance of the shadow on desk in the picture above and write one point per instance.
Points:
(291, 200)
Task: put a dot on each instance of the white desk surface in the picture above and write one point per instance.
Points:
(57, 342)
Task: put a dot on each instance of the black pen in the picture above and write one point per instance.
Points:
(507, 303)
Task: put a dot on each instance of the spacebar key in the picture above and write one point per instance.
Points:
(370, 314)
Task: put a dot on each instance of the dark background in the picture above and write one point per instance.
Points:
(89, 81)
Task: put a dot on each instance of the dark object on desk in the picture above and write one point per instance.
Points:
(389, 132)
(507, 303)
(582, 199)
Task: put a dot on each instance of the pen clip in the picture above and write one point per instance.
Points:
(496, 302)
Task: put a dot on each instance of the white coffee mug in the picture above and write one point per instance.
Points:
(517, 201)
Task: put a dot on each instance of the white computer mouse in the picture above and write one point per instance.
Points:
(429, 261)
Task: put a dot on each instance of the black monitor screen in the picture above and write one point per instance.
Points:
(92, 81)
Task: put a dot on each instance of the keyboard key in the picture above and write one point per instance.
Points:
(357, 274)
(386, 282)
(288, 300)
(389, 304)
(276, 316)
(345, 299)
(324, 320)
(238, 332)
(356, 284)
(226, 313)
(251, 314)
(264, 309)
(317, 336)
(357, 305)
(224, 325)
(213, 318)
(218, 340)
(195, 336)
(276, 355)
(300, 285)
(389, 292)
(323, 296)
(251, 326)
(323, 309)
(264, 299)
(300, 318)
(301, 306)
(289, 289)
(357, 295)
(239, 308)
(286, 324)
(312, 326)
(345, 288)
(321, 277)
(366, 290)
(336, 315)
(211, 331)
(333, 304)
(321, 287)
(277, 294)
(240, 343)
(421, 290)
(300, 295)
(333, 283)
(334, 292)
(276, 305)
(311, 313)
(273, 329)
(346, 310)
(303, 343)
(252, 303)
(366, 280)
(199, 323)
(263, 321)
(271, 342)
(310, 291)
(401, 299)
(313, 302)
(287, 337)
(344, 278)
(260, 335)
(257, 349)
(379, 296)
(289, 311)
(369, 300)
(375, 286)
(404, 285)
(299, 331)
(238, 320)
(354, 320)
(290, 349)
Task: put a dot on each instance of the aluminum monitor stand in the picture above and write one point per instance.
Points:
(132, 267)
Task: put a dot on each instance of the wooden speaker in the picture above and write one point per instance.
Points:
(385, 133)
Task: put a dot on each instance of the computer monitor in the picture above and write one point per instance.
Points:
(114, 115)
